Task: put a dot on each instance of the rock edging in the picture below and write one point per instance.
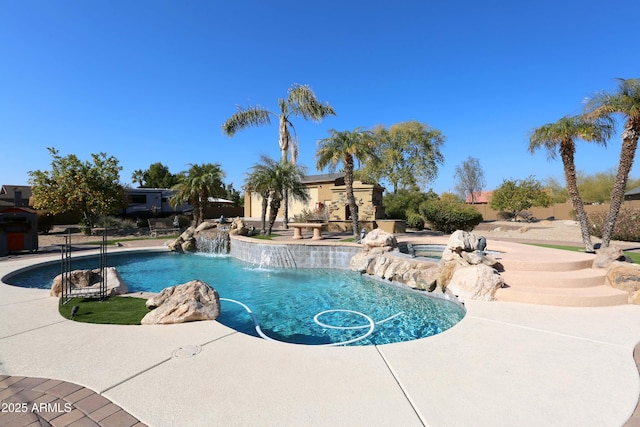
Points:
(463, 271)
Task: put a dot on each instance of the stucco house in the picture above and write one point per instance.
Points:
(328, 191)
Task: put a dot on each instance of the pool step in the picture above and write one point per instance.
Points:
(562, 261)
(582, 278)
(566, 280)
(537, 275)
(594, 296)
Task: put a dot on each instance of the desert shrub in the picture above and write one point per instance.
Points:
(113, 222)
(398, 205)
(527, 215)
(504, 216)
(184, 221)
(516, 196)
(627, 226)
(449, 215)
(414, 220)
(45, 222)
(308, 215)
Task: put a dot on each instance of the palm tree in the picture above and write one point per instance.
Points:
(196, 185)
(301, 102)
(560, 136)
(346, 147)
(138, 177)
(258, 182)
(274, 178)
(625, 102)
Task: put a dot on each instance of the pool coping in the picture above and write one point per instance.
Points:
(503, 364)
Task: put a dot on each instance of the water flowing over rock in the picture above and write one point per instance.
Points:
(191, 301)
(211, 237)
(214, 242)
(91, 279)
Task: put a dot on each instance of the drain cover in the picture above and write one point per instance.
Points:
(186, 351)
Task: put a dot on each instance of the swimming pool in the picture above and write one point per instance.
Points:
(300, 306)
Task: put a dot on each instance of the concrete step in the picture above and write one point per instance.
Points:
(566, 261)
(582, 278)
(594, 296)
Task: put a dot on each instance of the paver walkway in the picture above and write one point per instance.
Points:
(43, 402)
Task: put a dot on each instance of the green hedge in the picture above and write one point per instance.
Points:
(414, 220)
(450, 215)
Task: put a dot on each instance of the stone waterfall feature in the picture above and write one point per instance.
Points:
(212, 237)
(213, 242)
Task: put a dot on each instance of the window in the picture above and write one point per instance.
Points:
(137, 199)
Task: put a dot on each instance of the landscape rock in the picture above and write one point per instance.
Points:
(360, 261)
(478, 278)
(91, 279)
(606, 256)
(478, 282)
(191, 301)
(379, 238)
(176, 245)
(238, 227)
(626, 277)
(188, 245)
(462, 241)
(206, 225)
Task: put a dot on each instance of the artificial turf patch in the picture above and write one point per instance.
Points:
(113, 310)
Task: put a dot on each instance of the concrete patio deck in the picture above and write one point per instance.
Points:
(504, 364)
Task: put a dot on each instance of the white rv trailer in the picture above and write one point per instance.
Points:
(146, 202)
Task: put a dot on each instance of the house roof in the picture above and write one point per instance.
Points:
(326, 177)
(479, 197)
(633, 192)
(8, 191)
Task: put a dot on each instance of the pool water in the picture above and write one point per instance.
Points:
(301, 306)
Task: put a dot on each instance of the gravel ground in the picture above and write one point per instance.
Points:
(568, 231)
(561, 230)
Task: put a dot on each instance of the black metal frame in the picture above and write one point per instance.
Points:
(65, 271)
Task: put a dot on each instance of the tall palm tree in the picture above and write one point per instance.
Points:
(196, 185)
(626, 103)
(300, 102)
(346, 147)
(275, 178)
(559, 137)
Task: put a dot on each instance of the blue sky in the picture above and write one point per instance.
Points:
(152, 81)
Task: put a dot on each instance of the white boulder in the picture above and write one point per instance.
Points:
(191, 301)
